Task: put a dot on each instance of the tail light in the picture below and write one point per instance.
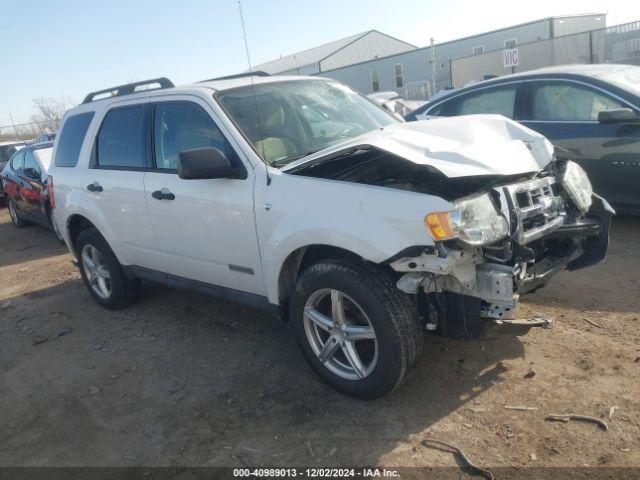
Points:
(52, 198)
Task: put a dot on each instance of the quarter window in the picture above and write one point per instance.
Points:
(180, 126)
(399, 75)
(568, 102)
(496, 101)
(70, 140)
(121, 138)
(16, 161)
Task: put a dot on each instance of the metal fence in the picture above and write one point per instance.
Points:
(619, 44)
(20, 131)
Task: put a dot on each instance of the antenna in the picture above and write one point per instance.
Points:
(253, 90)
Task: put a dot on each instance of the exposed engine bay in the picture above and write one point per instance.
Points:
(465, 289)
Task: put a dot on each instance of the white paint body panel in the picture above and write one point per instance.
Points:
(462, 146)
(256, 224)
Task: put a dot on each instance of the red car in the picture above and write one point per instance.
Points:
(25, 185)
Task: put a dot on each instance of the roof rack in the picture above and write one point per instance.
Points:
(256, 73)
(129, 88)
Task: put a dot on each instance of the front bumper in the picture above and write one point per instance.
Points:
(487, 290)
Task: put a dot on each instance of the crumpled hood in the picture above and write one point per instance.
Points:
(456, 146)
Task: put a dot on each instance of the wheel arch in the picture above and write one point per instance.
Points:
(76, 223)
(301, 258)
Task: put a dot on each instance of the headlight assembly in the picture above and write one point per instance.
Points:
(474, 221)
(577, 185)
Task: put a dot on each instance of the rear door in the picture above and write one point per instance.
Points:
(115, 181)
(31, 189)
(566, 112)
(11, 178)
(206, 230)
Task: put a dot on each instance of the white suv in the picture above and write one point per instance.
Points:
(301, 196)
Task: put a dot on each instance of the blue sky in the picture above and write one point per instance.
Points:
(66, 48)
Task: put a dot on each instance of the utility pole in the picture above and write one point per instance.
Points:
(433, 67)
(15, 131)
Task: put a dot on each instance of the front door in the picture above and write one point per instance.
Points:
(567, 114)
(204, 229)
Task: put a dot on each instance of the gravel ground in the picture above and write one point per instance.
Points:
(182, 379)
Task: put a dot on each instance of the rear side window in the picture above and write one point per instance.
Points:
(180, 126)
(31, 167)
(121, 138)
(500, 101)
(71, 138)
(16, 161)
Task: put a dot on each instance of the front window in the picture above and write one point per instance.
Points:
(567, 102)
(289, 120)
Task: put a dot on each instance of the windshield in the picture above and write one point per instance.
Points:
(6, 151)
(627, 78)
(288, 120)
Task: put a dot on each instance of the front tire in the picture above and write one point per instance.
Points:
(354, 327)
(102, 273)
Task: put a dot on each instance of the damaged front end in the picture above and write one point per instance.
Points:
(468, 286)
(518, 215)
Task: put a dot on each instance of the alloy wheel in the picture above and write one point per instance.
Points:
(96, 271)
(12, 212)
(340, 334)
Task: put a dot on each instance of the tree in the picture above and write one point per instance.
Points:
(48, 113)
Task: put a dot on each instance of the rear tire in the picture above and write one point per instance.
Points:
(16, 218)
(373, 309)
(102, 273)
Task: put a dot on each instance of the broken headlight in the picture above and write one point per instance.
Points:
(474, 221)
(577, 185)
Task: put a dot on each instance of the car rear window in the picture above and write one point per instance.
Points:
(71, 138)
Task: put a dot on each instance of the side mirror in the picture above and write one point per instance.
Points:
(619, 115)
(202, 163)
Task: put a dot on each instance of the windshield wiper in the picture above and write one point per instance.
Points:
(284, 161)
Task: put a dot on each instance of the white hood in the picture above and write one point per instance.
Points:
(456, 146)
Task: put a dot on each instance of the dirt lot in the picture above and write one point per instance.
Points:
(181, 379)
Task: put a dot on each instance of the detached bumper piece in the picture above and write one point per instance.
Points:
(459, 316)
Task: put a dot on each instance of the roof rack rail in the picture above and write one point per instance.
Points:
(256, 73)
(129, 88)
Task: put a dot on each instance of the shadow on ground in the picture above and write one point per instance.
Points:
(26, 244)
(183, 379)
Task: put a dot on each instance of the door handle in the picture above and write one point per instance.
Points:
(163, 194)
(94, 187)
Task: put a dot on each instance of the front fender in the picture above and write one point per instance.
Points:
(375, 223)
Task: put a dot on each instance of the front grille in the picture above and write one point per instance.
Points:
(534, 208)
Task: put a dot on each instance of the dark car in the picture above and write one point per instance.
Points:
(591, 112)
(25, 189)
